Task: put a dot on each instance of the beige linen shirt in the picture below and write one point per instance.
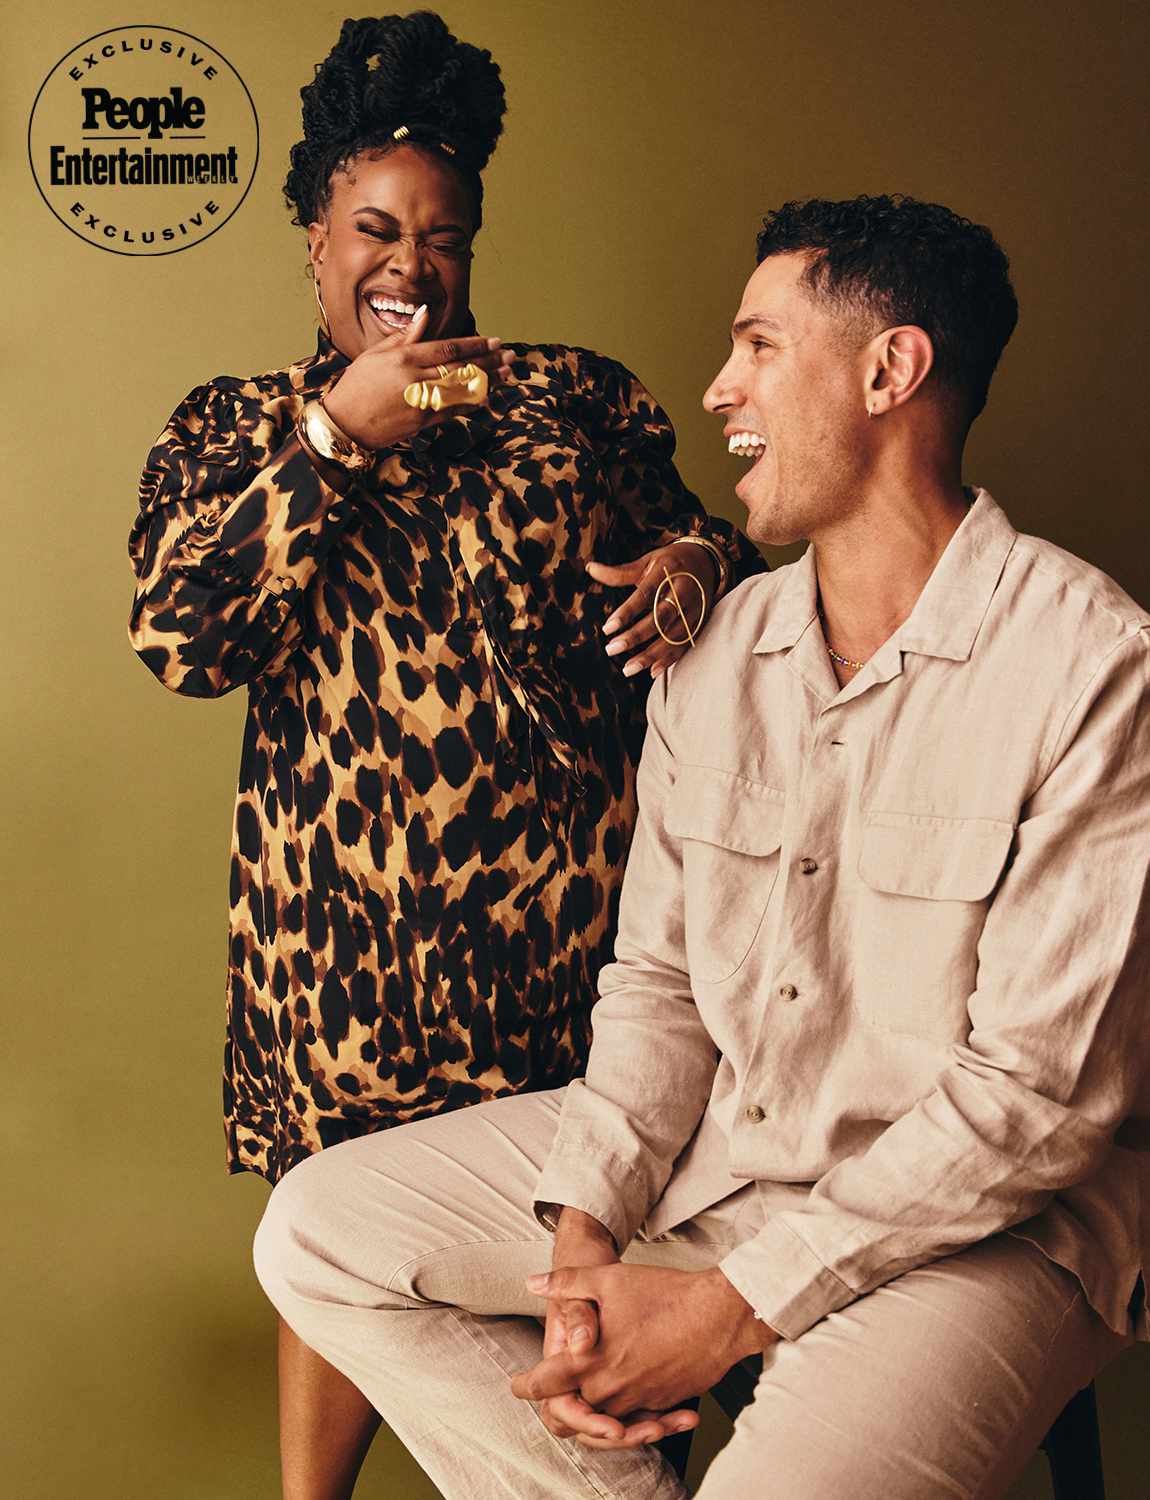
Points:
(883, 949)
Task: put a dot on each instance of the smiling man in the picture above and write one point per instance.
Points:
(870, 1067)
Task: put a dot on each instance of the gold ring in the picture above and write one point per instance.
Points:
(466, 386)
(669, 584)
(475, 383)
(444, 372)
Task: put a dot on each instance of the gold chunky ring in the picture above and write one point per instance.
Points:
(668, 583)
(466, 386)
(444, 372)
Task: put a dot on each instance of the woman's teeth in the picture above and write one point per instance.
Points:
(391, 310)
(746, 444)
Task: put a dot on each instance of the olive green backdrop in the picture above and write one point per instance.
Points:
(643, 142)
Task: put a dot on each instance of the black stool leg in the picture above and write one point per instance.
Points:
(735, 1391)
(1074, 1450)
(676, 1449)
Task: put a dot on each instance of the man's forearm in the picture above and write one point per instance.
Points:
(576, 1231)
(746, 1331)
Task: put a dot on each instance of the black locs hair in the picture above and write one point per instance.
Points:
(893, 259)
(389, 71)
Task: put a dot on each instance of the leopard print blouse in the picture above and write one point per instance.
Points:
(436, 789)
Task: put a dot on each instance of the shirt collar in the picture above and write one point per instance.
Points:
(947, 614)
(793, 606)
(312, 374)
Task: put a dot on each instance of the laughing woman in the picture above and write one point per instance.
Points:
(437, 783)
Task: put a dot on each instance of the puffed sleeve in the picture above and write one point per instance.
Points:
(233, 522)
(635, 442)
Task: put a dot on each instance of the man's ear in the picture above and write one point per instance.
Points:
(901, 359)
(316, 244)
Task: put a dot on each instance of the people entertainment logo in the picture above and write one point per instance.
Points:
(143, 140)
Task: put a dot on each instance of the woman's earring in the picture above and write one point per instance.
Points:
(323, 323)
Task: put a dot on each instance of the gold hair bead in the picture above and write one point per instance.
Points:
(373, 62)
(448, 147)
(400, 133)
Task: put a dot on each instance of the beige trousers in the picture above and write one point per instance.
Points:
(401, 1258)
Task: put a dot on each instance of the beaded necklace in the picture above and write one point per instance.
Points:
(845, 661)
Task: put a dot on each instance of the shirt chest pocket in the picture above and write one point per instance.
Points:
(926, 886)
(731, 830)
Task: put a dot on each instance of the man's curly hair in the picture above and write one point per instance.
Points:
(888, 260)
(385, 72)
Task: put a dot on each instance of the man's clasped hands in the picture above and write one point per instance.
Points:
(623, 1345)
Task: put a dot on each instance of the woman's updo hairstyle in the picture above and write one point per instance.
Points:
(385, 72)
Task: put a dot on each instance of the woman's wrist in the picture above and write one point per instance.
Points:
(342, 413)
(323, 438)
(719, 561)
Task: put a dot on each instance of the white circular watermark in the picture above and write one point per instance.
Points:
(143, 140)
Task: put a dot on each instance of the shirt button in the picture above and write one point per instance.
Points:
(788, 992)
(755, 1113)
(808, 866)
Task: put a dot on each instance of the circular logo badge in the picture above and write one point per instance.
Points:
(143, 140)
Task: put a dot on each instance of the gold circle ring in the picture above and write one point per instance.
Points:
(667, 587)
(444, 372)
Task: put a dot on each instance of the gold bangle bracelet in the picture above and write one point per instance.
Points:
(320, 436)
(722, 567)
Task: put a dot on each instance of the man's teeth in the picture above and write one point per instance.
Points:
(746, 444)
(392, 305)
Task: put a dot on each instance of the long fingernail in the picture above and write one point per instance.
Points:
(579, 1336)
(631, 668)
(538, 1282)
(610, 625)
(494, 343)
(614, 647)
